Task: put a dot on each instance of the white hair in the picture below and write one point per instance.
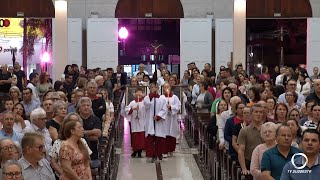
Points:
(36, 113)
(97, 78)
(93, 82)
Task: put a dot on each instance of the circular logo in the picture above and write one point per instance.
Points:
(299, 154)
(4, 23)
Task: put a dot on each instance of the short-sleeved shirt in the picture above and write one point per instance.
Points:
(4, 88)
(274, 161)
(43, 171)
(77, 159)
(306, 173)
(250, 137)
(16, 137)
(93, 122)
(237, 128)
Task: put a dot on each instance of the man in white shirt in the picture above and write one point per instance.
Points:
(34, 80)
(141, 69)
(38, 125)
(279, 78)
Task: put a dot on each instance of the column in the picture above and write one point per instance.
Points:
(60, 38)
(239, 33)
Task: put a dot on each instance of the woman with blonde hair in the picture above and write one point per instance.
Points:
(268, 134)
(15, 94)
(53, 125)
(73, 155)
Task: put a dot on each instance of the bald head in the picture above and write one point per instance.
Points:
(4, 68)
(141, 67)
(163, 66)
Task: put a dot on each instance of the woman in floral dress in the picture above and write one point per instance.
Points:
(73, 155)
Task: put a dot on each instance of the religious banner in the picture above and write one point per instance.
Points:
(130, 93)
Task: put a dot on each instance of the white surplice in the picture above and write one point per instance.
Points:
(159, 127)
(172, 119)
(137, 117)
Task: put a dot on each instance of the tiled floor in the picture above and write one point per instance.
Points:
(181, 166)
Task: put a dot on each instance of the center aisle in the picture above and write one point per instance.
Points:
(182, 166)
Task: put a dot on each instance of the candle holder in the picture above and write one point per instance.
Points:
(137, 115)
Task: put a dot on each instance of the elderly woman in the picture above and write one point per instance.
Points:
(12, 170)
(268, 134)
(8, 150)
(54, 152)
(53, 125)
(73, 155)
(15, 94)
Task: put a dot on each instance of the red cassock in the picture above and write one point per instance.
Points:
(155, 129)
(138, 141)
(170, 144)
(137, 121)
(155, 146)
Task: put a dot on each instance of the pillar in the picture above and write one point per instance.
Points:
(60, 39)
(239, 33)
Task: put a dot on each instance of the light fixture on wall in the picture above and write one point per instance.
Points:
(123, 35)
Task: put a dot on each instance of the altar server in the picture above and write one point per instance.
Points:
(156, 112)
(172, 119)
(136, 115)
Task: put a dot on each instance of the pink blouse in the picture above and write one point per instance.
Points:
(255, 166)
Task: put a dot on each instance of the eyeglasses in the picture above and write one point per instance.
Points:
(11, 175)
(40, 148)
(8, 148)
(42, 119)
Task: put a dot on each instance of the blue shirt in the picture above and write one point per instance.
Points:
(29, 107)
(300, 101)
(274, 161)
(17, 137)
(289, 172)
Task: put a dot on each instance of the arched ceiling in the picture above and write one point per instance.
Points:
(157, 8)
(30, 8)
(278, 8)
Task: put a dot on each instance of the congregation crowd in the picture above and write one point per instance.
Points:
(51, 130)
